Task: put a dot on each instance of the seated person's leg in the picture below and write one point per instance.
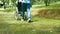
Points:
(22, 12)
(19, 7)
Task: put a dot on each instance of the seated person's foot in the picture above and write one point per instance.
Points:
(22, 20)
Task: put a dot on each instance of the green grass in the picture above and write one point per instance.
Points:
(7, 10)
(52, 5)
(39, 24)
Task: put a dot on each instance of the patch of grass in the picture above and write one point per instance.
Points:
(40, 25)
(53, 6)
(8, 10)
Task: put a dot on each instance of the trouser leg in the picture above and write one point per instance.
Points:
(28, 10)
(22, 12)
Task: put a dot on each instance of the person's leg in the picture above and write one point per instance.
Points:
(28, 11)
(19, 7)
(22, 12)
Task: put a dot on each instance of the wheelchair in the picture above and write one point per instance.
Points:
(18, 10)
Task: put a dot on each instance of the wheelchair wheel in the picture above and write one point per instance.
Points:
(16, 14)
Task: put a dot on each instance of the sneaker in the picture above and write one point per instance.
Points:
(28, 20)
(22, 20)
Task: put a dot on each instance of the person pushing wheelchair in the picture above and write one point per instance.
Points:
(24, 5)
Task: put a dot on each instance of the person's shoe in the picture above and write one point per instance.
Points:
(22, 20)
(28, 20)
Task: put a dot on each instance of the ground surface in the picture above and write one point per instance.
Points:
(39, 24)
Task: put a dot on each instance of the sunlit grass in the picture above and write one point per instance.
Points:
(55, 5)
(39, 24)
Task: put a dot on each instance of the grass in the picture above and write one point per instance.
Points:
(52, 5)
(39, 24)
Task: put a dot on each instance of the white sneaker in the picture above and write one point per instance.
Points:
(22, 19)
(28, 20)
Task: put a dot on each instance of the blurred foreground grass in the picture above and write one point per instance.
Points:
(40, 25)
